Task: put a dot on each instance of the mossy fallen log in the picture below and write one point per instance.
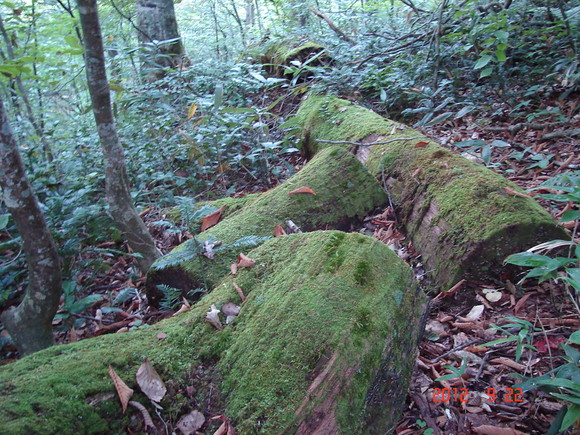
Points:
(324, 343)
(186, 213)
(463, 218)
(343, 190)
(277, 55)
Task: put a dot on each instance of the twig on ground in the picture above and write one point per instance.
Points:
(370, 144)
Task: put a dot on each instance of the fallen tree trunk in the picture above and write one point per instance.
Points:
(343, 190)
(278, 56)
(324, 343)
(463, 218)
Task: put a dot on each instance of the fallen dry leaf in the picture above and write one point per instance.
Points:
(521, 302)
(475, 313)
(421, 144)
(244, 261)
(182, 310)
(233, 268)
(146, 416)
(552, 343)
(230, 309)
(226, 428)
(240, 292)
(162, 336)
(494, 430)
(208, 249)
(512, 192)
(213, 317)
(279, 231)
(190, 423)
(123, 391)
(493, 296)
(509, 363)
(303, 189)
(212, 219)
(150, 382)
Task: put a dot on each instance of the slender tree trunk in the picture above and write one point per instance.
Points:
(117, 182)
(30, 324)
(23, 94)
(156, 22)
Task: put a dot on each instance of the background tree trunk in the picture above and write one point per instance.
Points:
(30, 324)
(156, 22)
(117, 183)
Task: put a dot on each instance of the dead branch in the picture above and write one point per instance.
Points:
(336, 30)
(370, 144)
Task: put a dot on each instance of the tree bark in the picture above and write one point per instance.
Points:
(156, 22)
(30, 324)
(117, 184)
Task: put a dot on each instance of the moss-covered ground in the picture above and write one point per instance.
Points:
(311, 328)
(344, 190)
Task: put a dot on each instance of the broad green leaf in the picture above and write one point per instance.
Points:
(570, 215)
(486, 72)
(528, 259)
(464, 111)
(571, 416)
(500, 143)
(73, 41)
(502, 36)
(470, 143)
(84, 303)
(482, 61)
(486, 154)
(500, 53)
(4, 220)
(575, 337)
(439, 119)
(257, 76)
(383, 95)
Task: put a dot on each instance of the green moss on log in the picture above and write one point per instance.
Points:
(176, 214)
(312, 348)
(461, 216)
(344, 190)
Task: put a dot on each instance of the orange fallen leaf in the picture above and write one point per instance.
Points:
(509, 363)
(279, 231)
(123, 391)
(421, 144)
(512, 192)
(234, 268)
(212, 219)
(240, 292)
(521, 302)
(244, 261)
(303, 189)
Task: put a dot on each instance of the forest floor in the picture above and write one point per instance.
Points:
(480, 400)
